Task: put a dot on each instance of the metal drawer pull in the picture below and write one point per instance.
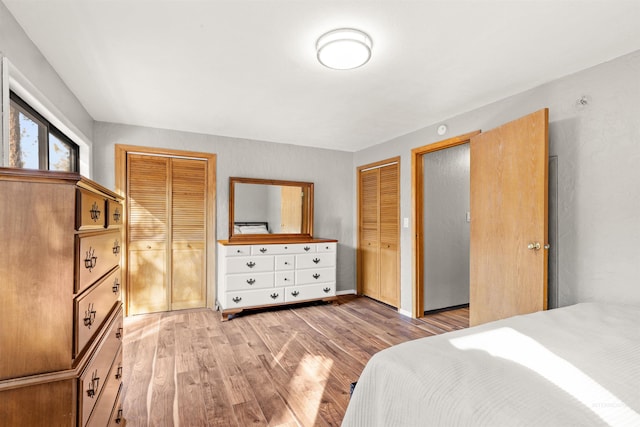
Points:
(119, 372)
(295, 293)
(116, 286)
(251, 264)
(316, 276)
(238, 251)
(326, 247)
(263, 250)
(89, 316)
(286, 247)
(316, 260)
(326, 290)
(251, 281)
(116, 215)
(95, 212)
(286, 279)
(94, 384)
(116, 247)
(118, 419)
(274, 295)
(90, 259)
(237, 299)
(286, 263)
(119, 333)
(306, 248)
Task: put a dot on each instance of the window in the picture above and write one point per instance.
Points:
(34, 143)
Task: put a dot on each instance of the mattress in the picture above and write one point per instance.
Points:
(572, 366)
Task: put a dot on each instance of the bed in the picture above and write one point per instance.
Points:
(251, 227)
(572, 366)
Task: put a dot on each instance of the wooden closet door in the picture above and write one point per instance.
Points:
(188, 233)
(389, 234)
(148, 219)
(369, 232)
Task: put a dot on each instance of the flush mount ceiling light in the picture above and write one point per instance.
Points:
(344, 49)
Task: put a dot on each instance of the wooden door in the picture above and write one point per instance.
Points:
(148, 211)
(188, 239)
(369, 220)
(291, 209)
(389, 234)
(167, 233)
(509, 177)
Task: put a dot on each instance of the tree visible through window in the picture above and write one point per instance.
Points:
(36, 144)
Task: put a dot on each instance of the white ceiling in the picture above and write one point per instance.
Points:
(247, 68)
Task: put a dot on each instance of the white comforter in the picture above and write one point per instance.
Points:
(574, 366)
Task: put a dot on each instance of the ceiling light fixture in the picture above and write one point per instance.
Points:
(344, 49)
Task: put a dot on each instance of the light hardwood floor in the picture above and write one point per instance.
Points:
(278, 367)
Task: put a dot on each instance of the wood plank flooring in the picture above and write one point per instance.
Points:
(277, 367)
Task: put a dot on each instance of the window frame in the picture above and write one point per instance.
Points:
(44, 140)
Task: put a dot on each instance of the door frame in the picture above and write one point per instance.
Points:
(359, 169)
(121, 152)
(417, 208)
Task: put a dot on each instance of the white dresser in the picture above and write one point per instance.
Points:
(259, 275)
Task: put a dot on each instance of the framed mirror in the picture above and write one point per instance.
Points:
(268, 209)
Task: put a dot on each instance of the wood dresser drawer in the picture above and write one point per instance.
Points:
(92, 308)
(115, 215)
(96, 254)
(91, 210)
(95, 375)
(107, 399)
(117, 417)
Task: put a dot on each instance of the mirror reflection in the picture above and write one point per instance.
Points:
(267, 209)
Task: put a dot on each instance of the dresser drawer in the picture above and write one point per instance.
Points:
(92, 308)
(315, 260)
(249, 264)
(282, 249)
(96, 374)
(308, 292)
(285, 262)
(115, 215)
(117, 417)
(235, 250)
(90, 210)
(285, 278)
(96, 254)
(253, 298)
(104, 406)
(326, 247)
(245, 282)
(315, 275)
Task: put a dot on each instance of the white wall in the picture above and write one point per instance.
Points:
(598, 151)
(330, 171)
(46, 87)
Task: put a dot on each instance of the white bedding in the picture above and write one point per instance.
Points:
(573, 366)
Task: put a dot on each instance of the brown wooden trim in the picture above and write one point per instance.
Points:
(231, 311)
(49, 177)
(121, 152)
(359, 169)
(307, 210)
(417, 203)
(257, 239)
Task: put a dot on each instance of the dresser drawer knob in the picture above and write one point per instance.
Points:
(306, 248)
(90, 259)
(286, 263)
(238, 251)
(251, 281)
(95, 212)
(251, 264)
(93, 385)
(116, 215)
(237, 299)
(326, 290)
(118, 419)
(274, 295)
(286, 279)
(116, 247)
(316, 260)
(263, 250)
(119, 333)
(295, 293)
(316, 276)
(89, 316)
(119, 372)
(116, 286)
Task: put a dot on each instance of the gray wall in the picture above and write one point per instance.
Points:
(446, 230)
(330, 171)
(598, 156)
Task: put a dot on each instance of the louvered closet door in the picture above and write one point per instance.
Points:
(148, 231)
(167, 233)
(369, 232)
(389, 231)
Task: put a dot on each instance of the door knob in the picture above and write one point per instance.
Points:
(534, 246)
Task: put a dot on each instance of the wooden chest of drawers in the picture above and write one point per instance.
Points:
(60, 301)
(259, 275)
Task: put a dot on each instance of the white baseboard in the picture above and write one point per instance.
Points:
(347, 292)
(405, 312)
